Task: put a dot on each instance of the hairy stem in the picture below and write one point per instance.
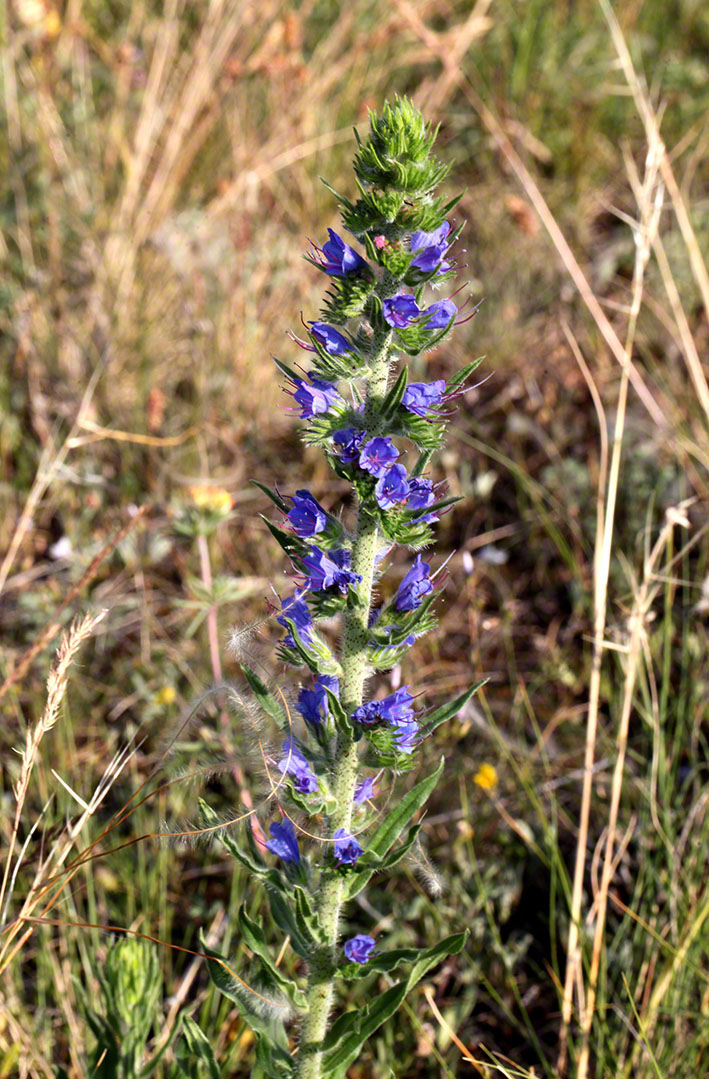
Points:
(319, 992)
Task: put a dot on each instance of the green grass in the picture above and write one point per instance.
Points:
(176, 293)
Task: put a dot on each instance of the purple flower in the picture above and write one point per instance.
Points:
(421, 494)
(392, 488)
(316, 399)
(415, 585)
(297, 610)
(420, 396)
(306, 516)
(400, 310)
(347, 443)
(340, 258)
(347, 849)
(330, 339)
(296, 765)
(396, 708)
(393, 710)
(406, 736)
(364, 791)
(432, 247)
(439, 314)
(284, 844)
(376, 456)
(313, 704)
(330, 570)
(359, 949)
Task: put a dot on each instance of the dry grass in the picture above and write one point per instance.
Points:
(165, 163)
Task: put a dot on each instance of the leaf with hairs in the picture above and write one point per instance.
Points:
(365, 1021)
(268, 702)
(268, 874)
(193, 1053)
(255, 1008)
(394, 823)
(447, 711)
(386, 962)
(253, 938)
(287, 920)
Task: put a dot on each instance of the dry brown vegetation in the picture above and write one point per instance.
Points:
(160, 181)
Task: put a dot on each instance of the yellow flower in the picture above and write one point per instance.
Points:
(166, 695)
(486, 777)
(215, 499)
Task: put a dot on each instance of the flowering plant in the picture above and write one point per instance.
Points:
(378, 433)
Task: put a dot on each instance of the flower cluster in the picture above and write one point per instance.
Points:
(378, 431)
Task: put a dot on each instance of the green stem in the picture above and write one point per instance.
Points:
(323, 962)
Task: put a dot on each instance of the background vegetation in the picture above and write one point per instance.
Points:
(159, 182)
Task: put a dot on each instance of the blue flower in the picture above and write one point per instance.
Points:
(406, 736)
(359, 949)
(296, 765)
(306, 516)
(393, 710)
(313, 704)
(392, 488)
(376, 456)
(439, 314)
(420, 396)
(421, 494)
(284, 844)
(431, 247)
(297, 610)
(330, 339)
(364, 791)
(400, 310)
(415, 585)
(331, 570)
(340, 258)
(347, 443)
(317, 398)
(347, 849)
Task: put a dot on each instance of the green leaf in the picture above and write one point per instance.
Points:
(388, 961)
(254, 939)
(276, 499)
(290, 544)
(393, 825)
(271, 1063)
(264, 1015)
(352, 1034)
(459, 378)
(193, 1050)
(286, 919)
(269, 874)
(447, 711)
(268, 702)
(393, 399)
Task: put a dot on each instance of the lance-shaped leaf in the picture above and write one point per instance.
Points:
(291, 923)
(393, 399)
(263, 1013)
(459, 377)
(289, 543)
(275, 498)
(193, 1053)
(394, 823)
(271, 1063)
(253, 938)
(354, 1028)
(255, 865)
(447, 711)
(386, 962)
(268, 702)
